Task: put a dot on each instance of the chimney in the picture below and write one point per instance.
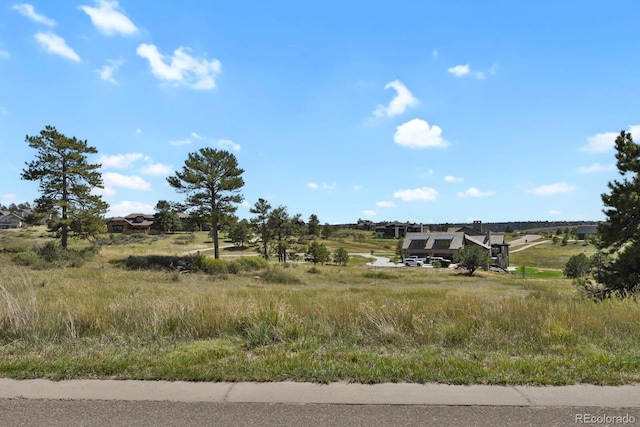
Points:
(477, 225)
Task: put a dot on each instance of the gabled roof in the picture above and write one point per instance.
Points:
(456, 240)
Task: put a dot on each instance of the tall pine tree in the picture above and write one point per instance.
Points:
(66, 184)
(617, 265)
(212, 180)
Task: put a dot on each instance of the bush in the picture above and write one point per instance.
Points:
(279, 275)
(577, 266)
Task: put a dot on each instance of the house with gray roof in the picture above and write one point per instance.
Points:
(584, 231)
(447, 244)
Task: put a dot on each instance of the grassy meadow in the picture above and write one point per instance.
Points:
(129, 312)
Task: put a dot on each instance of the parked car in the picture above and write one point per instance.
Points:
(412, 262)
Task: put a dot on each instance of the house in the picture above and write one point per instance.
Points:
(396, 230)
(16, 219)
(584, 231)
(446, 244)
(132, 223)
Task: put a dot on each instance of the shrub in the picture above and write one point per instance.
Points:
(279, 275)
(577, 266)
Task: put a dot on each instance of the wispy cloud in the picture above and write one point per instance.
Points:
(4, 54)
(602, 142)
(196, 136)
(459, 70)
(29, 11)
(157, 169)
(180, 142)
(108, 18)
(597, 167)
(132, 182)
(127, 207)
(119, 161)
(403, 99)
(451, 178)
(368, 212)
(423, 194)
(324, 186)
(56, 45)
(554, 212)
(385, 204)
(228, 144)
(474, 192)
(465, 70)
(107, 71)
(546, 190)
(357, 187)
(417, 133)
(181, 69)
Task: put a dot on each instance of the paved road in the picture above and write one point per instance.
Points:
(160, 403)
(64, 413)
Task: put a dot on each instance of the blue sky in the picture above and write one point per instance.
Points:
(408, 110)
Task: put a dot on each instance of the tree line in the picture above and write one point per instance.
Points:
(211, 180)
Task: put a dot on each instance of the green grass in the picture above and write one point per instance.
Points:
(549, 255)
(295, 322)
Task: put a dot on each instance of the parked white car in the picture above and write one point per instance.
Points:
(412, 262)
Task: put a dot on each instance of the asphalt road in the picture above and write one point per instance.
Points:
(24, 412)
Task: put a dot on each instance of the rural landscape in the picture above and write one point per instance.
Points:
(274, 297)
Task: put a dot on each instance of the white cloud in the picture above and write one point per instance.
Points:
(106, 72)
(245, 204)
(132, 182)
(597, 167)
(399, 104)
(545, 190)
(181, 68)
(56, 45)
(180, 142)
(30, 12)
(196, 136)
(417, 133)
(4, 54)
(157, 169)
(451, 178)
(385, 204)
(465, 70)
(369, 213)
(424, 193)
(357, 187)
(108, 20)
(459, 70)
(554, 212)
(313, 186)
(601, 142)
(119, 161)
(227, 143)
(126, 207)
(474, 192)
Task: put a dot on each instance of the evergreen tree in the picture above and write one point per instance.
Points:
(260, 224)
(341, 256)
(67, 181)
(617, 266)
(212, 180)
(313, 225)
(317, 252)
(472, 257)
(166, 217)
(240, 232)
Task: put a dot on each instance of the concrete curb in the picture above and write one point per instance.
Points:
(334, 393)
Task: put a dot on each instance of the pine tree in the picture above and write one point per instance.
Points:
(260, 224)
(67, 180)
(617, 266)
(212, 180)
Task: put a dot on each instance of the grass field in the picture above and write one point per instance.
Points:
(304, 323)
